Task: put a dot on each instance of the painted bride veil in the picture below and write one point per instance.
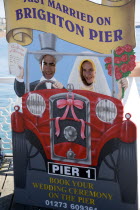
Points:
(100, 84)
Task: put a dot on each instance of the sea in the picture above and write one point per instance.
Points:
(6, 90)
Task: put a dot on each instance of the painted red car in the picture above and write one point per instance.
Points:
(76, 127)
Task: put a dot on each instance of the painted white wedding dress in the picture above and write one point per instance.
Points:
(100, 84)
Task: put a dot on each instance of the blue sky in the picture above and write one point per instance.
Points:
(137, 11)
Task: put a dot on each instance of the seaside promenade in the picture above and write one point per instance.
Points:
(7, 189)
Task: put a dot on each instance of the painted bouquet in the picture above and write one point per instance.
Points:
(124, 62)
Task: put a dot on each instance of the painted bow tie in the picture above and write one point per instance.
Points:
(69, 103)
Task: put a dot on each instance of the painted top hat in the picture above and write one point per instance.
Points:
(48, 45)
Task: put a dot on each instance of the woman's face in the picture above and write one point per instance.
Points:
(88, 72)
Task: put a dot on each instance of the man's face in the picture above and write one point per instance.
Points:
(48, 66)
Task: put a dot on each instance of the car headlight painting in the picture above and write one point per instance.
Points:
(106, 111)
(36, 104)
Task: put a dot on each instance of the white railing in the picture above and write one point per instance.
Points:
(5, 125)
(5, 118)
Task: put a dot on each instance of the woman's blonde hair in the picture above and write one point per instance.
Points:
(81, 70)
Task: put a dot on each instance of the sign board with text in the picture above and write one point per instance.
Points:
(73, 145)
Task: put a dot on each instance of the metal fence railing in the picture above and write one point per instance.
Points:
(5, 125)
(8, 100)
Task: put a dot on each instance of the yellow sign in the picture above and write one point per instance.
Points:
(100, 28)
